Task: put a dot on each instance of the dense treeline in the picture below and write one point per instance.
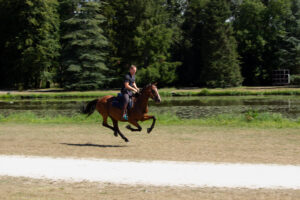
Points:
(89, 44)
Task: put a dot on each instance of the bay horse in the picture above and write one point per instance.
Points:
(138, 112)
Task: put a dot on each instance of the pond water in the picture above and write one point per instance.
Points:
(183, 107)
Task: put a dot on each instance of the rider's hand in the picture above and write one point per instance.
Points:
(137, 90)
(134, 90)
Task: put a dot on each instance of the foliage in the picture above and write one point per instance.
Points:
(163, 73)
(211, 58)
(29, 41)
(289, 53)
(142, 36)
(276, 20)
(295, 79)
(80, 44)
(220, 59)
(84, 51)
(249, 31)
(267, 35)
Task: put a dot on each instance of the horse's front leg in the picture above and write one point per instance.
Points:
(147, 117)
(139, 128)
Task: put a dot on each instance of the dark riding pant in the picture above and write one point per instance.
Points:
(125, 101)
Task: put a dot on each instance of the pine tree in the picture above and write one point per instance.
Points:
(191, 54)
(84, 51)
(220, 60)
(210, 57)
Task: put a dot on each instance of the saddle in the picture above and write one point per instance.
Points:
(118, 102)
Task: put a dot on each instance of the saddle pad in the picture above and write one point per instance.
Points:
(118, 102)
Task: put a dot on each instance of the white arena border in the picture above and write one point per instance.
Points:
(155, 173)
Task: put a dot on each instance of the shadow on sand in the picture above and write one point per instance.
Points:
(94, 145)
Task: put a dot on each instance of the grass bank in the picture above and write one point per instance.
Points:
(249, 119)
(164, 92)
(55, 95)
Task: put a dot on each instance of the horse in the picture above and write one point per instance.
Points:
(138, 111)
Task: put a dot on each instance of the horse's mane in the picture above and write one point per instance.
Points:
(142, 90)
(148, 85)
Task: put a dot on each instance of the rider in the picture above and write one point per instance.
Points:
(128, 88)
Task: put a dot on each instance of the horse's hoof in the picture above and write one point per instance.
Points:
(149, 130)
(128, 127)
(126, 140)
(116, 134)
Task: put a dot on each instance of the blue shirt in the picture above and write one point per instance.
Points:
(130, 79)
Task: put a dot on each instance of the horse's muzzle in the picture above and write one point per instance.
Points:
(157, 100)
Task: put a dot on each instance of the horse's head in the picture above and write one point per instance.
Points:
(152, 92)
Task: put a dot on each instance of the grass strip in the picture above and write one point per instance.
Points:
(249, 119)
(211, 92)
(165, 92)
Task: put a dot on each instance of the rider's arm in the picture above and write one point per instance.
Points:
(127, 86)
(134, 85)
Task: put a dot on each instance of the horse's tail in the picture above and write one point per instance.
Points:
(89, 108)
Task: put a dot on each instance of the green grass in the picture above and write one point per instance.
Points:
(165, 92)
(58, 95)
(249, 119)
(211, 92)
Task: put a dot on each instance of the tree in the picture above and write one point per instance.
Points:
(29, 41)
(153, 41)
(67, 9)
(250, 28)
(84, 51)
(210, 56)
(140, 33)
(190, 50)
(220, 60)
(276, 17)
(289, 53)
(123, 17)
(265, 31)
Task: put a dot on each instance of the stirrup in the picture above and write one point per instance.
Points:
(125, 117)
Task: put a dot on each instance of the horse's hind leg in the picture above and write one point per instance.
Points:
(115, 122)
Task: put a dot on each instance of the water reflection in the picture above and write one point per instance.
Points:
(184, 107)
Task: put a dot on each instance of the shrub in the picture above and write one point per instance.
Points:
(164, 73)
(295, 79)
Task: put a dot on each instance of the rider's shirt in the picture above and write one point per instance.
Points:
(130, 79)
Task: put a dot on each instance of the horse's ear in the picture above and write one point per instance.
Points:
(154, 83)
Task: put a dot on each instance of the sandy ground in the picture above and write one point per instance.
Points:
(177, 143)
(155, 173)
(12, 188)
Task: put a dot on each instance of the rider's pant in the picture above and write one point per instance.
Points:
(126, 101)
